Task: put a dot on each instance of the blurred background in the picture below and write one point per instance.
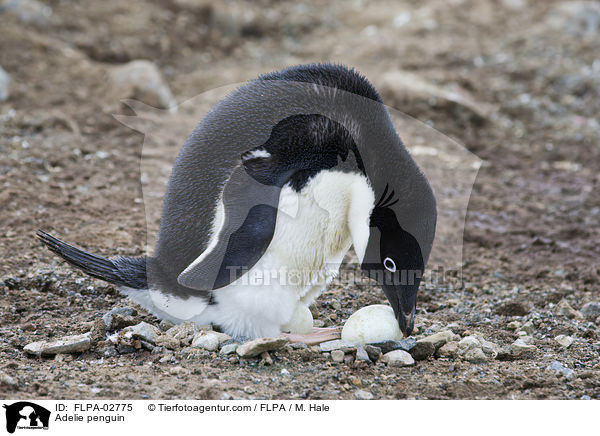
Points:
(516, 81)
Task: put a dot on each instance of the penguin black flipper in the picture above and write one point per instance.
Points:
(249, 213)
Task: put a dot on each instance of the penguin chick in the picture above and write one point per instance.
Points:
(266, 197)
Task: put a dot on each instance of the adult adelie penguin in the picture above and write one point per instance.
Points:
(267, 195)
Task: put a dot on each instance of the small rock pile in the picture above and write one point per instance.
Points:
(120, 332)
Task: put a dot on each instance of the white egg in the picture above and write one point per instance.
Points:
(301, 322)
(371, 324)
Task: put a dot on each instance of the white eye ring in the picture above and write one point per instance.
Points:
(389, 264)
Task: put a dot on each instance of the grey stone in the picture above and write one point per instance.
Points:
(65, 345)
(337, 356)
(28, 11)
(559, 368)
(260, 345)
(513, 325)
(336, 344)
(7, 380)
(578, 18)
(229, 349)
(209, 340)
(398, 358)
(5, 84)
(363, 395)
(108, 316)
(591, 310)
(490, 349)
(184, 332)
(528, 328)
(449, 350)
(468, 343)
(520, 346)
(165, 325)
(144, 331)
(298, 346)
(141, 80)
(475, 355)
(361, 354)
(440, 338)
(564, 341)
(406, 344)
(563, 308)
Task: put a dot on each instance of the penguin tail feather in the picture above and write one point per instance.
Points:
(124, 271)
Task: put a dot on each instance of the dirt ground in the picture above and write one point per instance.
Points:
(530, 238)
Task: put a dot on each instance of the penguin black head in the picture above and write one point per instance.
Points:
(401, 266)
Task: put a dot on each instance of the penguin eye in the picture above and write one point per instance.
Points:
(389, 264)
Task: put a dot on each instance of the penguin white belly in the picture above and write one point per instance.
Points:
(310, 240)
(312, 234)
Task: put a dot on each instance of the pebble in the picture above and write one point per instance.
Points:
(564, 341)
(406, 344)
(5, 83)
(490, 349)
(468, 343)
(284, 372)
(515, 5)
(528, 328)
(144, 331)
(28, 11)
(142, 80)
(577, 18)
(266, 359)
(337, 356)
(229, 348)
(559, 368)
(184, 332)
(398, 358)
(591, 310)
(169, 342)
(440, 338)
(336, 344)
(258, 346)
(475, 355)
(98, 331)
(65, 345)
(371, 324)
(513, 325)
(363, 395)
(165, 325)
(422, 350)
(361, 354)
(563, 308)
(7, 380)
(209, 340)
(108, 316)
(512, 308)
(520, 346)
(373, 352)
(402, 87)
(449, 350)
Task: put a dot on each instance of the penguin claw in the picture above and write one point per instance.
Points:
(317, 336)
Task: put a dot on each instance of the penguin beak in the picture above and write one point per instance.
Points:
(403, 299)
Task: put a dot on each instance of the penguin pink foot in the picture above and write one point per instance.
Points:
(317, 336)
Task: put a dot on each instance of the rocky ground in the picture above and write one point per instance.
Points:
(516, 81)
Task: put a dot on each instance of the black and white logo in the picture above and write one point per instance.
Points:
(26, 415)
